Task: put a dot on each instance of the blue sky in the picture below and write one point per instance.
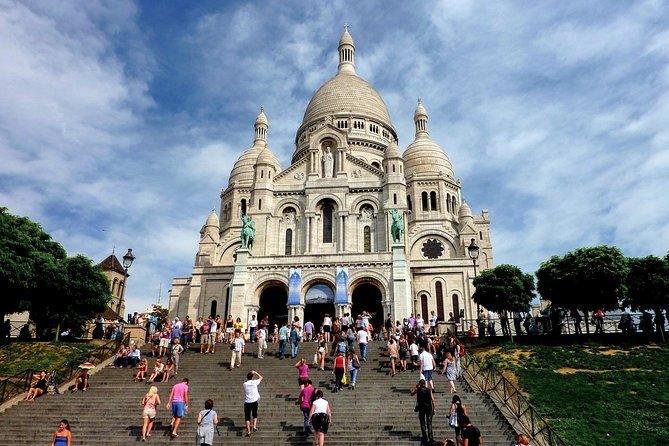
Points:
(120, 121)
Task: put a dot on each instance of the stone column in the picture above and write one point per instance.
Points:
(401, 283)
(307, 235)
(240, 279)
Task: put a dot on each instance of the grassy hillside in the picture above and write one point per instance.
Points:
(594, 394)
(19, 356)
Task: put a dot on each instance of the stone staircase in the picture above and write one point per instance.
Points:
(379, 411)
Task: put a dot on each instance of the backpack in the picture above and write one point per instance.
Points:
(342, 346)
(462, 351)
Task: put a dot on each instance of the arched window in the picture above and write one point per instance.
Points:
(262, 174)
(409, 202)
(259, 203)
(394, 198)
(423, 305)
(377, 165)
(424, 201)
(453, 203)
(440, 300)
(289, 242)
(393, 168)
(433, 200)
(456, 308)
(367, 236)
(120, 288)
(113, 290)
(480, 235)
(448, 202)
(213, 308)
(243, 206)
(327, 221)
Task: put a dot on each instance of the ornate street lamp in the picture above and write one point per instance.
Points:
(128, 258)
(473, 251)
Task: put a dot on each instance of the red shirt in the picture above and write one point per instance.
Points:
(339, 362)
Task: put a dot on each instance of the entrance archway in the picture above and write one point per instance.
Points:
(319, 301)
(274, 303)
(367, 297)
(214, 307)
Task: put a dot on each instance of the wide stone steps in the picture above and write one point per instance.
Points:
(379, 411)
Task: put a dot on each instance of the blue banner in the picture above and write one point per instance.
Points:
(341, 297)
(294, 285)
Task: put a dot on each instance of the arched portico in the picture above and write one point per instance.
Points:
(273, 302)
(367, 296)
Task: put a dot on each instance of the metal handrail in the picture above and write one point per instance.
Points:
(510, 401)
(21, 382)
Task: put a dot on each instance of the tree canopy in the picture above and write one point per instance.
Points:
(504, 288)
(586, 278)
(37, 275)
(648, 283)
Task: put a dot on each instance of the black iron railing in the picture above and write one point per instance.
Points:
(21, 382)
(510, 401)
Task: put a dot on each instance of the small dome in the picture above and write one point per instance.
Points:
(212, 219)
(346, 38)
(420, 110)
(267, 157)
(425, 156)
(261, 119)
(243, 168)
(393, 151)
(465, 211)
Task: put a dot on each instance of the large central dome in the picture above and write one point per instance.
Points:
(347, 93)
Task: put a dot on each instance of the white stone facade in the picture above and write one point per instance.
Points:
(330, 208)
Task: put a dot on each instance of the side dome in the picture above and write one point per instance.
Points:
(243, 168)
(425, 156)
(267, 157)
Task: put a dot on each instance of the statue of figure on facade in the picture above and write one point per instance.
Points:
(248, 232)
(397, 228)
(328, 164)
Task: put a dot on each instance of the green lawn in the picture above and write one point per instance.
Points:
(19, 356)
(594, 394)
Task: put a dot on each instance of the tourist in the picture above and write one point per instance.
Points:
(340, 366)
(420, 323)
(517, 320)
(219, 328)
(284, 332)
(121, 357)
(187, 333)
(178, 403)
(204, 337)
(471, 333)
(578, 319)
(155, 344)
(275, 334)
(294, 339)
(302, 372)
(253, 328)
(150, 404)
(177, 350)
(207, 420)
(305, 404)
(229, 329)
(141, 370)
(451, 370)
(167, 370)
(251, 397)
(522, 440)
(134, 356)
(504, 322)
(320, 353)
(414, 352)
(164, 341)
(427, 366)
(353, 368)
(598, 319)
(363, 339)
(433, 323)
(404, 353)
(157, 371)
(425, 406)
(62, 436)
(39, 388)
(327, 327)
(238, 326)
(262, 341)
(80, 381)
(455, 413)
(237, 349)
(388, 325)
(393, 355)
(213, 334)
(309, 331)
(471, 435)
(176, 330)
(98, 331)
(321, 417)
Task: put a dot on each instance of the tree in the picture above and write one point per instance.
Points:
(25, 250)
(586, 279)
(504, 288)
(81, 291)
(648, 286)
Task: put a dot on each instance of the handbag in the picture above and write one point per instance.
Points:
(356, 363)
(344, 380)
(453, 419)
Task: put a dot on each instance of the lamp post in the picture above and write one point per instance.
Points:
(128, 258)
(473, 251)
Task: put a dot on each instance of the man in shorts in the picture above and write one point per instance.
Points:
(251, 397)
(178, 404)
(213, 326)
(427, 365)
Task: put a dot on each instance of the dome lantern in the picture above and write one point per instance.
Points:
(261, 125)
(346, 53)
(420, 119)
